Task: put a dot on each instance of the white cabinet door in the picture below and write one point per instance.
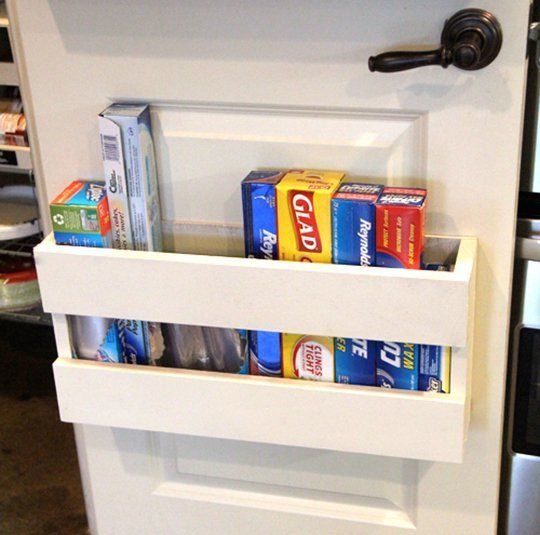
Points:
(239, 84)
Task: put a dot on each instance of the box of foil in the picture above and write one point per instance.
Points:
(400, 227)
(353, 224)
(260, 217)
(261, 241)
(355, 361)
(353, 242)
(434, 368)
(397, 365)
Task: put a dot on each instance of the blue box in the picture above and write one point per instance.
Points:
(397, 365)
(260, 218)
(265, 353)
(133, 340)
(434, 368)
(260, 239)
(83, 240)
(355, 361)
(353, 224)
(111, 348)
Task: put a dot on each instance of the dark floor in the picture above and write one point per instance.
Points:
(40, 489)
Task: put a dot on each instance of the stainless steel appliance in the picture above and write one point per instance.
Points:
(520, 481)
(520, 491)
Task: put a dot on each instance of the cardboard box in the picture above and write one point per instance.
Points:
(265, 353)
(116, 182)
(308, 357)
(355, 361)
(304, 218)
(400, 227)
(132, 187)
(135, 130)
(261, 241)
(80, 215)
(397, 365)
(260, 215)
(353, 224)
(434, 368)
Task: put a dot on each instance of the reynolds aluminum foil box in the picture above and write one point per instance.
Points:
(265, 353)
(353, 224)
(355, 361)
(80, 215)
(434, 368)
(260, 238)
(304, 215)
(308, 357)
(260, 218)
(400, 227)
(397, 365)
(133, 121)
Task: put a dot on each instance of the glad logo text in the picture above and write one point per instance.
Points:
(304, 221)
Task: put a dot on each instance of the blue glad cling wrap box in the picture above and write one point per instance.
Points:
(434, 368)
(397, 365)
(260, 239)
(353, 224)
(355, 361)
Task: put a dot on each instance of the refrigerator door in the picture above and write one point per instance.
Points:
(237, 85)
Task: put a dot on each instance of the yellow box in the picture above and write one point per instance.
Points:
(308, 357)
(304, 218)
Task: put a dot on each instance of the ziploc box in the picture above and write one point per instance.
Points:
(397, 365)
(434, 368)
(308, 357)
(80, 215)
(355, 361)
(400, 227)
(126, 133)
(304, 215)
(260, 238)
(353, 223)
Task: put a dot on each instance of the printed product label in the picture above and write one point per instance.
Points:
(304, 218)
(308, 357)
(355, 361)
(397, 365)
(306, 231)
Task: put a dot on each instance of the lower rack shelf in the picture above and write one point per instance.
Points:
(417, 425)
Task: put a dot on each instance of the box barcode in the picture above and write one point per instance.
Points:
(110, 148)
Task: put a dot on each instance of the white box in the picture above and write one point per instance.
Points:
(134, 127)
